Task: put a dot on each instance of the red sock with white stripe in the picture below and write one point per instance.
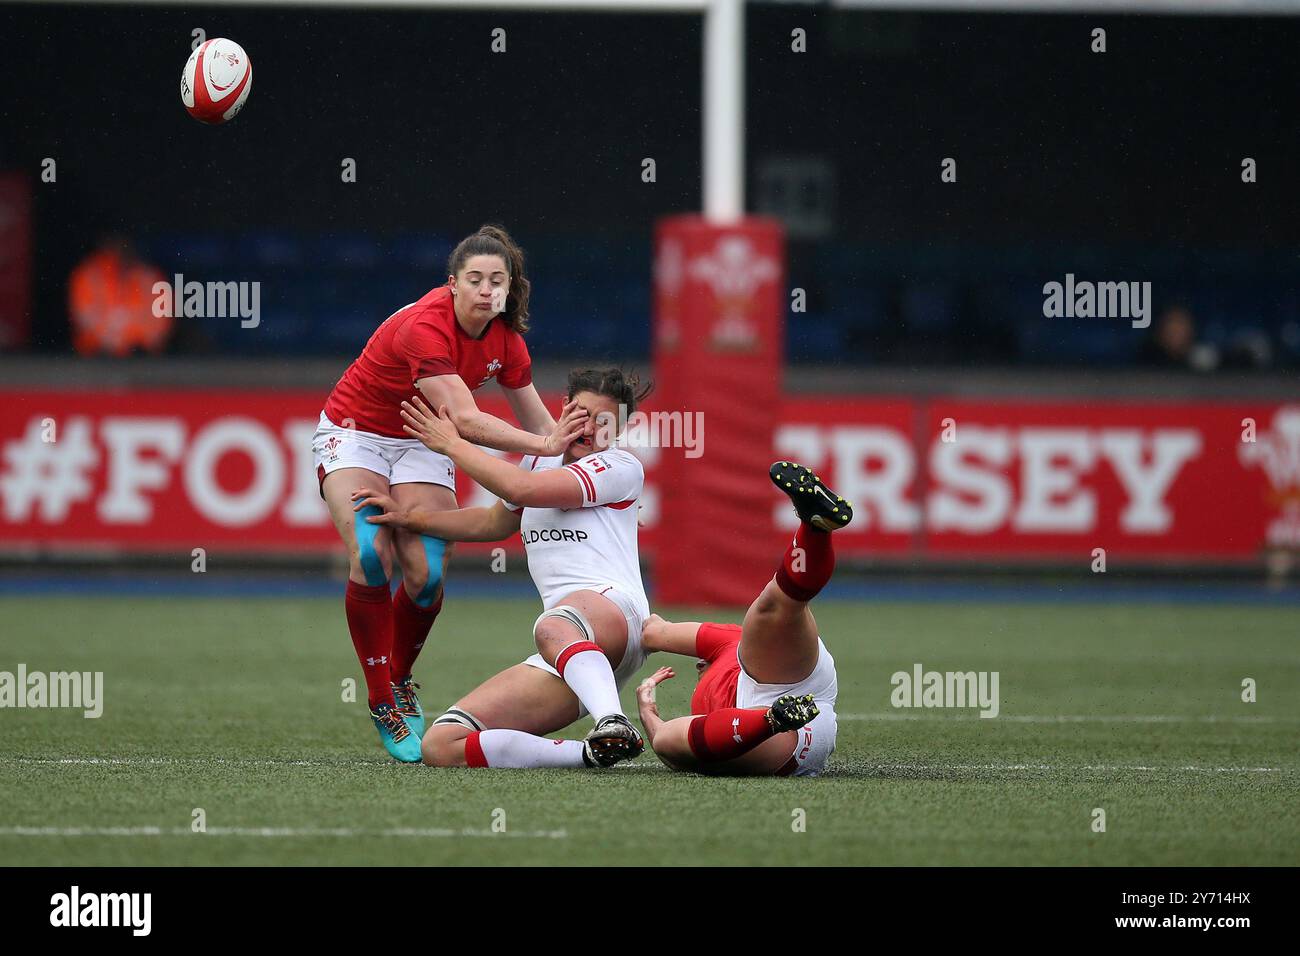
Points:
(727, 733)
(521, 751)
(807, 564)
(370, 620)
(587, 671)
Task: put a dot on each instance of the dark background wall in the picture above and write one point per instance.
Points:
(1127, 162)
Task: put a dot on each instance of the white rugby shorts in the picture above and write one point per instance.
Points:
(400, 460)
(816, 740)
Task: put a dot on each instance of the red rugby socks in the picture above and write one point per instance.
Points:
(807, 564)
(370, 619)
(726, 734)
(411, 625)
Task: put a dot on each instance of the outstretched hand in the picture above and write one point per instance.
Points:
(391, 515)
(645, 691)
(572, 423)
(437, 432)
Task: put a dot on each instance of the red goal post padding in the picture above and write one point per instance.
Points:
(719, 313)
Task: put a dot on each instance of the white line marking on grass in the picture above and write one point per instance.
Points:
(1081, 718)
(188, 761)
(260, 762)
(198, 761)
(1106, 768)
(421, 833)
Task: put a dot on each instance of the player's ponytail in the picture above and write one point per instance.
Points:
(493, 240)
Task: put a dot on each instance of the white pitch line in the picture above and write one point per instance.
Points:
(416, 832)
(259, 762)
(1106, 768)
(1077, 718)
(175, 761)
(202, 761)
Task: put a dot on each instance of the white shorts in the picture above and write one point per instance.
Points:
(817, 739)
(400, 460)
(633, 657)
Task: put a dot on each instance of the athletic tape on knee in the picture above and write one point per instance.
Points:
(434, 549)
(463, 718)
(568, 613)
(371, 565)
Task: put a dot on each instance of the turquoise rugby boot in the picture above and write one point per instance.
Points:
(408, 705)
(398, 740)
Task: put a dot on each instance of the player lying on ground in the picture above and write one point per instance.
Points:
(577, 516)
(453, 341)
(765, 701)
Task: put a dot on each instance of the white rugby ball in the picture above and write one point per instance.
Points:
(216, 81)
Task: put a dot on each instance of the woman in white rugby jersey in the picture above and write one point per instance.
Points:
(577, 516)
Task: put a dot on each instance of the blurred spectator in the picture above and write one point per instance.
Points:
(1249, 349)
(110, 299)
(1171, 343)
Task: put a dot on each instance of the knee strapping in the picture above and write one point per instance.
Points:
(372, 566)
(434, 549)
(571, 614)
(462, 718)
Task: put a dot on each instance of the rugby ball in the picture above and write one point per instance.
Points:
(216, 81)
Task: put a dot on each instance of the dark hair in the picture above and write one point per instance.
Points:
(491, 240)
(613, 383)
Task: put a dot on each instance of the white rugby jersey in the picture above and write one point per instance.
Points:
(594, 546)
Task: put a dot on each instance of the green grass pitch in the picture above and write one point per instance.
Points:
(235, 707)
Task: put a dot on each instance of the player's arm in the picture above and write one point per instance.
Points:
(673, 637)
(667, 738)
(553, 488)
(530, 411)
(463, 524)
(480, 428)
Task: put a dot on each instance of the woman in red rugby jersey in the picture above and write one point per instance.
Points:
(454, 340)
(765, 700)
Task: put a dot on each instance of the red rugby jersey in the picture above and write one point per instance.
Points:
(718, 644)
(417, 341)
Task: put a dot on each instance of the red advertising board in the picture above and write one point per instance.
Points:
(953, 479)
(157, 470)
(990, 479)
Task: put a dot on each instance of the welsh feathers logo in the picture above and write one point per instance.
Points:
(493, 367)
(735, 271)
(332, 446)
